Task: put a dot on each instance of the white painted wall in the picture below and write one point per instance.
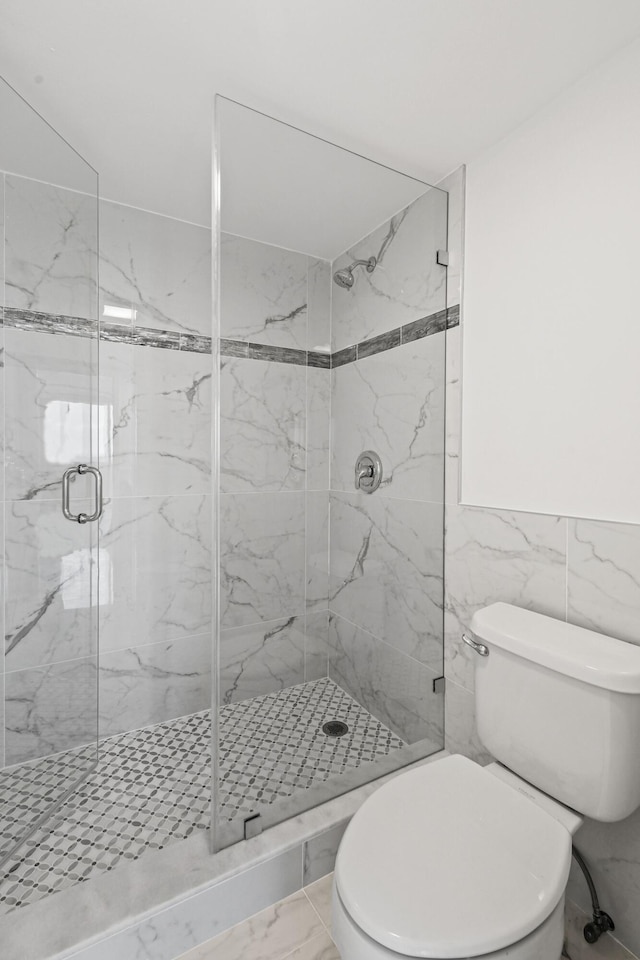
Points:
(551, 354)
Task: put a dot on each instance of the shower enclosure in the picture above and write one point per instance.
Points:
(281, 465)
(330, 316)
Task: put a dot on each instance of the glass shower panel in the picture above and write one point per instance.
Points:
(49, 334)
(331, 322)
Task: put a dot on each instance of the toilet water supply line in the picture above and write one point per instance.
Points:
(601, 922)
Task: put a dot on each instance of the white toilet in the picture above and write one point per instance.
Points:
(455, 860)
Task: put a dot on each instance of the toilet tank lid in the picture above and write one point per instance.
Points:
(585, 655)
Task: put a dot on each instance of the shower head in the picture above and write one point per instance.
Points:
(344, 278)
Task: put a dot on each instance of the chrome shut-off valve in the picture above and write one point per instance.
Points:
(368, 471)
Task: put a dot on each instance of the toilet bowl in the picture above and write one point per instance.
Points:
(454, 860)
(354, 944)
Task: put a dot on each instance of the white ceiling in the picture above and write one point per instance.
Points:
(421, 85)
(284, 187)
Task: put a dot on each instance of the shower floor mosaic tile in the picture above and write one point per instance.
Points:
(152, 786)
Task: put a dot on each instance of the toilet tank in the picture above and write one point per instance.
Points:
(560, 706)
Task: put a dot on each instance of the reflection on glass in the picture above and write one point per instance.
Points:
(69, 428)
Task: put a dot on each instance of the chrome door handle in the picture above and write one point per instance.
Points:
(82, 469)
(478, 647)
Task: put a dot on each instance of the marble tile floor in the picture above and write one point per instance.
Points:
(298, 928)
(151, 786)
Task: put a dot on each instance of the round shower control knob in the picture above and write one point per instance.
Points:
(368, 473)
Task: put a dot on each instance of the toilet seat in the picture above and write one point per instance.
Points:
(449, 861)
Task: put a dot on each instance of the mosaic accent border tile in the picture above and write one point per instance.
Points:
(152, 786)
(416, 330)
(346, 355)
(34, 321)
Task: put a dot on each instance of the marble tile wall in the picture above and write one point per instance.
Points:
(274, 468)
(154, 420)
(407, 283)
(386, 554)
(587, 572)
(156, 529)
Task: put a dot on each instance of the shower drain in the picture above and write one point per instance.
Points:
(335, 728)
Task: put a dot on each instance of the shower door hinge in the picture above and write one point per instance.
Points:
(439, 685)
(252, 826)
(442, 257)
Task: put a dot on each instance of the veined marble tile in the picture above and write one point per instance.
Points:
(263, 293)
(50, 383)
(262, 426)
(172, 568)
(49, 615)
(173, 422)
(319, 860)
(50, 709)
(152, 683)
(493, 555)
(154, 421)
(117, 594)
(262, 557)
(50, 248)
(117, 418)
(395, 688)
(320, 891)
(386, 571)
(460, 724)
(393, 403)
(50, 585)
(316, 645)
(607, 948)
(604, 577)
(261, 658)
(612, 851)
(270, 935)
(319, 309)
(406, 284)
(452, 417)
(320, 947)
(317, 546)
(203, 914)
(157, 266)
(318, 428)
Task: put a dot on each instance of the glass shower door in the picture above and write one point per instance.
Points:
(331, 327)
(50, 484)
